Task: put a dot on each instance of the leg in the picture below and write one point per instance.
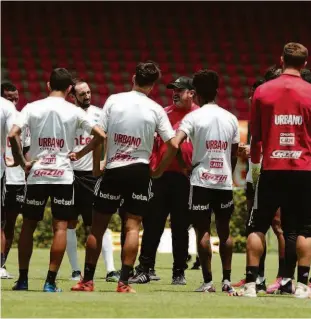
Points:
(107, 251)
(9, 231)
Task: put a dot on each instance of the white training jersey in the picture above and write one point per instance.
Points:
(212, 131)
(16, 175)
(82, 138)
(53, 123)
(7, 114)
(131, 120)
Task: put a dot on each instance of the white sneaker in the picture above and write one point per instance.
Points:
(4, 274)
(249, 290)
(76, 275)
(302, 291)
(206, 287)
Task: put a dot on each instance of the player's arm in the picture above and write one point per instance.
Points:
(100, 159)
(234, 156)
(16, 145)
(256, 134)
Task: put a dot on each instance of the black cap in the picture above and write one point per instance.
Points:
(181, 83)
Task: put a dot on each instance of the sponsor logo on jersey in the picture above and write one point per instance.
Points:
(48, 172)
(288, 119)
(109, 196)
(51, 142)
(140, 197)
(49, 159)
(216, 164)
(287, 139)
(216, 145)
(200, 207)
(219, 179)
(20, 198)
(63, 202)
(227, 205)
(286, 154)
(127, 140)
(81, 140)
(122, 157)
(34, 202)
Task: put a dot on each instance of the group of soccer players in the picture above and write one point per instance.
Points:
(147, 162)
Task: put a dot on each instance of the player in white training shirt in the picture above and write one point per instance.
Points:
(53, 123)
(84, 184)
(214, 133)
(7, 113)
(14, 188)
(130, 120)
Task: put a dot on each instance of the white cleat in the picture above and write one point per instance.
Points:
(249, 290)
(206, 287)
(302, 291)
(4, 274)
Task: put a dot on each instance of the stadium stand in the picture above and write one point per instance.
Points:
(103, 42)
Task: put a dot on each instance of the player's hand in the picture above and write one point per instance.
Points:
(244, 151)
(74, 156)
(9, 161)
(255, 173)
(155, 173)
(28, 166)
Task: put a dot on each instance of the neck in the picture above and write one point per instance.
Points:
(184, 107)
(208, 102)
(291, 71)
(58, 94)
(144, 90)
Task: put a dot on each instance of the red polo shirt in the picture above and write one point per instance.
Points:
(175, 116)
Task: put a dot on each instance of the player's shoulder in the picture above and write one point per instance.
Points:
(7, 105)
(95, 109)
(227, 114)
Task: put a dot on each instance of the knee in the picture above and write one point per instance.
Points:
(277, 229)
(72, 224)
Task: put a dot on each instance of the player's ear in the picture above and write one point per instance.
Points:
(48, 86)
(192, 93)
(282, 60)
(68, 90)
(133, 79)
(306, 63)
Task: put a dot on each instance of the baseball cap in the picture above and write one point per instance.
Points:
(182, 82)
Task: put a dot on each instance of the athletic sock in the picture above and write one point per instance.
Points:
(261, 270)
(107, 251)
(89, 271)
(281, 267)
(207, 276)
(71, 249)
(51, 276)
(303, 274)
(2, 260)
(226, 275)
(125, 273)
(23, 275)
(251, 273)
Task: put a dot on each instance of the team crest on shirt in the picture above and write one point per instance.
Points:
(287, 139)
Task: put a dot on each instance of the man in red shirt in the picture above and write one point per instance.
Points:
(281, 124)
(170, 195)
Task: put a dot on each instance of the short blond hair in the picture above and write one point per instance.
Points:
(295, 54)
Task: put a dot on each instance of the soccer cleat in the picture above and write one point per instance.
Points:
(249, 290)
(287, 289)
(4, 274)
(140, 278)
(51, 288)
(274, 287)
(76, 275)
(302, 291)
(179, 277)
(113, 276)
(123, 288)
(196, 265)
(83, 286)
(20, 285)
(206, 287)
(189, 257)
(261, 286)
(227, 287)
(153, 276)
(239, 284)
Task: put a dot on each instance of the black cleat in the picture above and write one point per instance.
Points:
(140, 277)
(288, 288)
(179, 278)
(261, 287)
(153, 276)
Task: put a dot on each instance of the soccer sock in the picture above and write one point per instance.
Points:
(2, 260)
(72, 249)
(107, 251)
(226, 275)
(303, 274)
(251, 273)
(207, 276)
(261, 271)
(89, 271)
(290, 255)
(125, 273)
(23, 275)
(51, 276)
(281, 267)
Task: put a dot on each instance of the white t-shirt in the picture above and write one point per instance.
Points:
(53, 123)
(130, 120)
(16, 175)
(7, 114)
(212, 131)
(83, 138)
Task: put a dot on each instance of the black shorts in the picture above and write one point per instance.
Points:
(13, 198)
(203, 201)
(84, 185)
(62, 201)
(288, 190)
(250, 192)
(130, 184)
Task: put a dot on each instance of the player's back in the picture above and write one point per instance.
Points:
(285, 116)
